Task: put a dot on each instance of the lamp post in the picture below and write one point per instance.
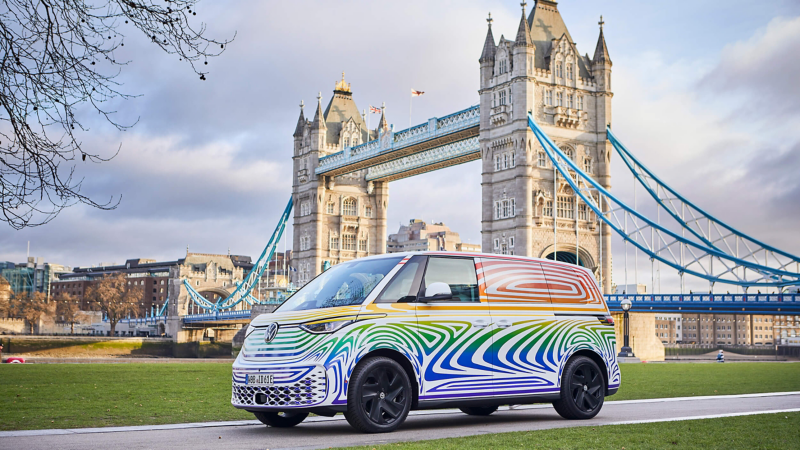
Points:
(626, 351)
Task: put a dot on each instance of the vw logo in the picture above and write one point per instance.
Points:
(272, 331)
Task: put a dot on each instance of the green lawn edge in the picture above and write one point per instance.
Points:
(50, 396)
(762, 431)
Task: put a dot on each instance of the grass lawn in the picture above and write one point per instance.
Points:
(764, 431)
(95, 395)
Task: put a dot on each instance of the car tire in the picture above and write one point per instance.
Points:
(583, 389)
(280, 419)
(378, 396)
(478, 410)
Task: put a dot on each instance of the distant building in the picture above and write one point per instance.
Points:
(32, 276)
(631, 289)
(275, 281)
(153, 277)
(420, 236)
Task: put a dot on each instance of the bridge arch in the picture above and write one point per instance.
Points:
(566, 253)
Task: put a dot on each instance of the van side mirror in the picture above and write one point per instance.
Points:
(437, 292)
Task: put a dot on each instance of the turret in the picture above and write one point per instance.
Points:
(299, 130)
(487, 56)
(601, 63)
(318, 127)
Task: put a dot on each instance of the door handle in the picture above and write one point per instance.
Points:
(480, 323)
(503, 323)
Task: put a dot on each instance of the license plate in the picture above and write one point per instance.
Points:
(261, 379)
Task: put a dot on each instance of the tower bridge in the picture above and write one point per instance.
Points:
(541, 129)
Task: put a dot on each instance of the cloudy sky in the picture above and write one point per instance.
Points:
(706, 94)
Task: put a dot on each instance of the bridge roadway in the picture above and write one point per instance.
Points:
(324, 432)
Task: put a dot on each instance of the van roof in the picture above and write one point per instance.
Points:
(476, 255)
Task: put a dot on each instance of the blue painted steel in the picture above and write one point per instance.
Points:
(434, 128)
(771, 276)
(242, 291)
(631, 161)
(163, 310)
(217, 315)
(775, 304)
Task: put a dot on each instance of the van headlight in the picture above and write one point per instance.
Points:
(326, 326)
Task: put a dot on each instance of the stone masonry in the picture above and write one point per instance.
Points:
(542, 71)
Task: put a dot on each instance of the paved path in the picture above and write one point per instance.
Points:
(322, 432)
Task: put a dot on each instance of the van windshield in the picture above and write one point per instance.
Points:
(341, 285)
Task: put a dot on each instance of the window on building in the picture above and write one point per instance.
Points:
(305, 208)
(334, 242)
(548, 208)
(583, 211)
(368, 211)
(548, 96)
(503, 248)
(513, 207)
(511, 242)
(570, 153)
(580, 102)
(496, 244)
(569, 101)
(542, 162)
(559, 99)
(559, 70)
(505, 161)
(348, 242)
(505, 208)
(587, 165)
(569, 71)
(349, 207)
(498, 163)
(362, 245)
(330, 208)
(566, 207)
(512, 160)
(497, 210)
(502, 97)
(347, 142)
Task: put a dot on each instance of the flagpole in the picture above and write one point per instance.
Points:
(410, 101)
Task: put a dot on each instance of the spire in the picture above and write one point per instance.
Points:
(301, 122)
(601, 51)
(383, 125)
(488, 46)
(319, 117)
(523, 33)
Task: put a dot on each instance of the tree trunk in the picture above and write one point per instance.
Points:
(72, 327)
(113, 324)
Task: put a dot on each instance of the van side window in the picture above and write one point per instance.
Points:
(459, 273)
(402, 288)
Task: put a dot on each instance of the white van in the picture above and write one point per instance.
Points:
(377, 337)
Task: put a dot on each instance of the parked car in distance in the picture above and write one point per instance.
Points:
(376, 337)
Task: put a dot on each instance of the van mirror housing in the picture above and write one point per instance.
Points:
(436, 292)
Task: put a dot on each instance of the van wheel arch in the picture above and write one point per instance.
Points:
(404, 363)
(594, 356)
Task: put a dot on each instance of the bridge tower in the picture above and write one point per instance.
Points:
(339, 218)
(569, 95)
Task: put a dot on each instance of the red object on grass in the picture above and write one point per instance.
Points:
(14, 360)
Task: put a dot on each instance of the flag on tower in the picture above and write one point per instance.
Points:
(374, 110)
(416, 93)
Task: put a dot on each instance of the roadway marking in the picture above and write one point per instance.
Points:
(236, 423)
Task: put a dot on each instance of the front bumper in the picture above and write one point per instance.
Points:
(293, 387)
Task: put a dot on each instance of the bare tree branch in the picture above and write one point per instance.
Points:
(55, 56)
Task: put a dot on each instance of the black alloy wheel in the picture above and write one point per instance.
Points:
(478, 410)
(280, 419)
(379, 396)
(583, 390)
